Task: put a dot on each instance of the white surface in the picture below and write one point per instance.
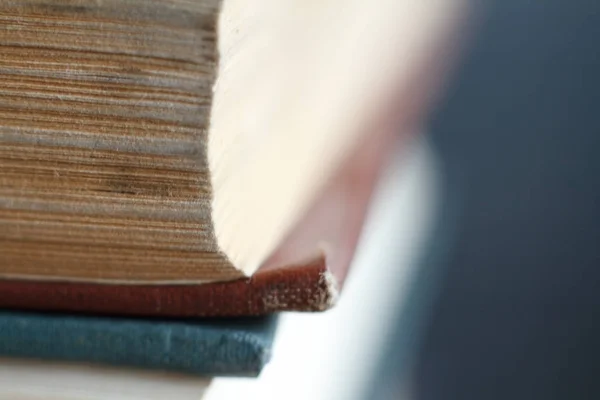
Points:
(39, 380)
(330, 355)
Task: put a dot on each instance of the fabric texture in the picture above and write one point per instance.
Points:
(209, 347)
(304, 288)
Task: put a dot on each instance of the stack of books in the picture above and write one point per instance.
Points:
(175, 172)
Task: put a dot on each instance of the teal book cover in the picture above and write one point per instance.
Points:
(209, 347)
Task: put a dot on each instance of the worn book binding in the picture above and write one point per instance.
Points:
(196, 158)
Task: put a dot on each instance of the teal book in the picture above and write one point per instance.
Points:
(233, 347)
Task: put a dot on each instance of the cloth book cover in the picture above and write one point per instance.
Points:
(154, 161)
(239, 347)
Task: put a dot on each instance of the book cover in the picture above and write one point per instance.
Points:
(239, 347)
(106, 200)
(155, 161)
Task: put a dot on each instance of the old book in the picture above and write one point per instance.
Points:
(44, 380)
(239, 347)
(186, 157)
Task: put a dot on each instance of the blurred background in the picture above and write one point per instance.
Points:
(478, 275)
